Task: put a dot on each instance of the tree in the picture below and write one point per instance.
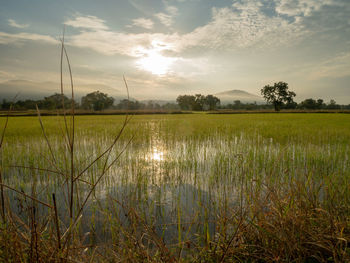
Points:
(96, 101)
(26, 104)
(126, 104)
(309, 104)
(278, 94)
(332, 105)
(186, 102)
(312, 104)
(55, 102)
(320, 104)
(5, 104)
(212, 102)
(199, 102)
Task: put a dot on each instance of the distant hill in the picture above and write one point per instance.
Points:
(39, 90)
(232, 95)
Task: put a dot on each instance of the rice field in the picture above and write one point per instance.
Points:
(180, 188)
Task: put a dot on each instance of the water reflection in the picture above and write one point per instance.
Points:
(157, 154)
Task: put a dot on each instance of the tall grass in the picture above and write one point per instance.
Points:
(36, 234)
(199, 187)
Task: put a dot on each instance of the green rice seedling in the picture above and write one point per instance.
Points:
(237, 184)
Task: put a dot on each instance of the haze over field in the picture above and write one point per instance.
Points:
(171, 47)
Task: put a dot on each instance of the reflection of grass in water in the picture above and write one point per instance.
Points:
(264, 186)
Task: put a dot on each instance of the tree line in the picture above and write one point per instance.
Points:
(277, 97)
(198, 102)
(94, 101)
(308, 104)
(280, 97)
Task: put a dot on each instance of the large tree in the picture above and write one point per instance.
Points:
(96, 101)
(212, 102)
(186, 102)
(199, 102)
(278, 94)
(55, 102)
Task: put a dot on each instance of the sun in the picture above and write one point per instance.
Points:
(153, 61)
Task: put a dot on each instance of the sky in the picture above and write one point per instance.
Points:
(169, 47)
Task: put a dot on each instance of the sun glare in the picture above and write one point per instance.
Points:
(153, 61)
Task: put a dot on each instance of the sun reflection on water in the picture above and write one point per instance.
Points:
(157, 155)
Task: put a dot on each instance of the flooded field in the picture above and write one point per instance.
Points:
(187, 180)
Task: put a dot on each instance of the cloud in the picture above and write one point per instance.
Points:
(13, 23)
(300, 7)
(88, 22)
(167, 18)
(336, 67)
(109, 42)
(103, 40)
(6, 75)
(172, 10)
(143, 22)
(241, 26)
(6, 38)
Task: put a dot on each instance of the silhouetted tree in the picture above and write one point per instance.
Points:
(310, 104)
(96, 101)
(332, 105)
(278, 94)
(5, 105)
(198, 102)
(27, 104)
(212, 102)
(186, 102)
(54, 102)
(320, 104)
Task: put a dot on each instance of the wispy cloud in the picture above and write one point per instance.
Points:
(13, 23)
(5, 75)
(6, 38)
(108, 42)
(239, 26)
(143, 22)
(335, 67)
(172, 10)
(167, 18)
(243, 26)
(88, 22)
(300, 7)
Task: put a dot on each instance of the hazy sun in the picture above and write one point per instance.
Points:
(153, 61)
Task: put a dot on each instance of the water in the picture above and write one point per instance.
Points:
(179, 179)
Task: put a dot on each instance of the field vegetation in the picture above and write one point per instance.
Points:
(176, 188)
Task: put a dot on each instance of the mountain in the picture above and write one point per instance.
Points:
(38, 90)
(245, 97)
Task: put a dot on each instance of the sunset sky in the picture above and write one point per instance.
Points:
(170, 47)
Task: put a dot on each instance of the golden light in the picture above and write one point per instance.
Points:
(153, 61)
(157, 155)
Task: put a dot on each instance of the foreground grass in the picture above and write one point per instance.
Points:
(188, 188)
